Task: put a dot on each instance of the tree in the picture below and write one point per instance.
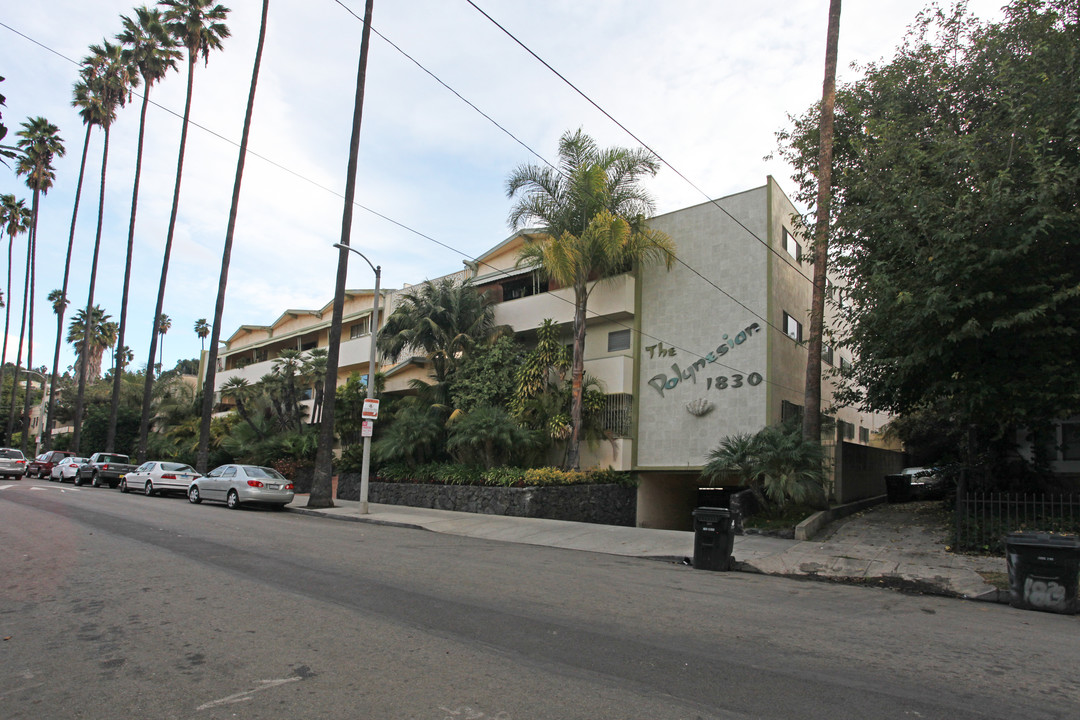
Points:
(199, 26)
(202, 329)
(102, 335)
(226, 255)
(240, 391)
(91, 112)
(164, 324)
(313, 371)
(149, 47)
(444, 320)
(811, 418)
(15, 221)
(6, 153)
(39, 142)
(592, 211)
(110, 77)
(288, 364)
(956, 172)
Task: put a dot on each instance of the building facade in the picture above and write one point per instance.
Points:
(687, 355)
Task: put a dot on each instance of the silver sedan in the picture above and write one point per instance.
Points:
(159, 477)
(237, 484)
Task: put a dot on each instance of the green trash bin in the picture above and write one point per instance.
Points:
(1044, 571)
(713, 538)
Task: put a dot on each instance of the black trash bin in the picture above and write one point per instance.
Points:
(713, 538)
(1044, 571)
(898, 488)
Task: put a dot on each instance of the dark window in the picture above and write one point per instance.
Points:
(519, 287)
(360, 329)
(845, 429)
(826, 353)
(309, 345)
(1070, 441)
(618, 340)
(864, 435)
(790, 411)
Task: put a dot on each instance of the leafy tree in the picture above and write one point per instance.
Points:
(956, 172)
(486, 376)
(592, 211)
(153, 52)
(96, 425)
(488, 433)
(199, 26)
(416, 435)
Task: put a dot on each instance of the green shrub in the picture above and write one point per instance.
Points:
(503, 476)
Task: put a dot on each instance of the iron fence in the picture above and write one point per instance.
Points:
(984, 519)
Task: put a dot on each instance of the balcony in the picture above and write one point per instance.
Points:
(613, 298)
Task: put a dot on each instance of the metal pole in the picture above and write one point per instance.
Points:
(366, 466)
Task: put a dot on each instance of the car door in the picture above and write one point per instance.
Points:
(136, 479)
(228, 480)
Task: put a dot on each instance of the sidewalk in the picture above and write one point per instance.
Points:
(889, 545)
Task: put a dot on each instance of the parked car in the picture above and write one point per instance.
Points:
(12, 463)
(104, 469)
(42, 465)
(159, 477)
(926, 483)
(67, 469)
(238, 484)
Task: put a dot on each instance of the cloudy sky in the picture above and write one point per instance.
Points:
(705, 83)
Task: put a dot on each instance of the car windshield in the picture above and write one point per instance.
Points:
(176, 467)
(263, 472)
(10, 454)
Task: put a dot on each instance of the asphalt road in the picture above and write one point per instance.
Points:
(122, 606)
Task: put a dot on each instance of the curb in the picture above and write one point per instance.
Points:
(352, 518)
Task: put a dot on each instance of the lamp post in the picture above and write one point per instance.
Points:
(374, 325)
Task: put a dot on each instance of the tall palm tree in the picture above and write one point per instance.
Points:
(164, 324)
(111, 77)
(202, 329)
(102, 335)
(199, 26)
(15, 220)
(592, 210)
(154, 52)
(90, 110)
(39, 142)
(202, 456)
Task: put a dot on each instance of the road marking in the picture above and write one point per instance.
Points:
(247, 694)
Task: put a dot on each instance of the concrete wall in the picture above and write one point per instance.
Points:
(861, 471)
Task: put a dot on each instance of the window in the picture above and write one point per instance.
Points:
(309, 345)
(864, 435)
(845, 430)
(845, 364)
(790, 411)
(520, 287)
(1070, 441)
(792, 245)
(826, 353)
(793, 328)
(618, 340)
(616, 414)
(360, 329)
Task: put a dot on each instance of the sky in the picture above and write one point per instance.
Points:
(704, 83)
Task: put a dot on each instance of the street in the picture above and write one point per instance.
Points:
(116, 606)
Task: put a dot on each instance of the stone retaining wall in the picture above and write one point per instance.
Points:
(601, 504)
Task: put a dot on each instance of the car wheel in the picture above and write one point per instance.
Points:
(77, 480)
(148, 489)
(233, 500)
(193, 495)
(123, 486)
(95, 481)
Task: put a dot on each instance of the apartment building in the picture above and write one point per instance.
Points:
(711, 347)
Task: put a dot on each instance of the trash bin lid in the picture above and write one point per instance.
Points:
(706, 513)
(1042, 539)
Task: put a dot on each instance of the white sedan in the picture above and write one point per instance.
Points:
(236, 484)
(159, 477)
(66, 469)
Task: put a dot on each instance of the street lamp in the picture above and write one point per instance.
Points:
(365, 468)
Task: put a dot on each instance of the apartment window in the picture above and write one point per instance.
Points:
(845, 364)
(1070, 441)
(520, 287)
(617, 414)
(790, 411)
(826, 353)
(309, 345)
(792, 245)
(793, 328)
(618, 340)
(845, 429)
(360, 329)
(864, 435)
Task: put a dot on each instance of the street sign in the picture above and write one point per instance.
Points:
(370, 410)
(367, 428)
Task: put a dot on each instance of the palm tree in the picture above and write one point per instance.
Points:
(102, 335)
(111, 78)
(197, 25)
(444, 320)
(314, 373)
(202, 329)
(592, 210)
(153, 51)
(40, 142)
(240, 390)
(287, 366)
(203, 454)
(15, 220)
(164, 324)
(90, 110)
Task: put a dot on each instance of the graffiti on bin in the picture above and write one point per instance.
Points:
(1048, 594)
